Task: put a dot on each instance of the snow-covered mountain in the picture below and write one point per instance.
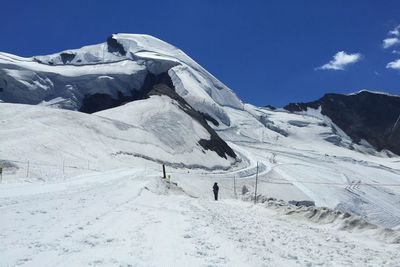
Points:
(125, 68)
(149, 103)
(366, 116)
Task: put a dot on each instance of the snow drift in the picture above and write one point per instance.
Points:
(341, 220)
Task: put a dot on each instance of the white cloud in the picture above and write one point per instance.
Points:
(393, 39)
(394, 65)
(341, 60)
(389, 42)
(396, 31)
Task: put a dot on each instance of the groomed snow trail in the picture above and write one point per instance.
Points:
(126, 218)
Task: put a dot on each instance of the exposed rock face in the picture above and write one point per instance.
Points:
(374, 117)
(114, 47)
(67, 57)
(97, 102)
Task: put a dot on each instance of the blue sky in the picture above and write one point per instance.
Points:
(268, 52)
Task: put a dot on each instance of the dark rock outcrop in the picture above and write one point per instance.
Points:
(97, 102)
(67, 57)
(113, 46)
(374, 117)
(270, 107)
(210, 119)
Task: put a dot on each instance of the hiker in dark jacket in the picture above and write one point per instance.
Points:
(215, 190)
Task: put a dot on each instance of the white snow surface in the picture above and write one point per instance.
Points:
(80, 202)
(129, 217)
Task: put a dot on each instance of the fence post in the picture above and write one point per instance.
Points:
(1, 174)
(27, 170)
(255, 190)
(234, 185)
(163, 168)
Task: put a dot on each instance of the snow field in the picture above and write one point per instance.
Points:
(301, 166)
(125, 218)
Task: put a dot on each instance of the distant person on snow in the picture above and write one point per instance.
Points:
(244, 190)
(215, 190)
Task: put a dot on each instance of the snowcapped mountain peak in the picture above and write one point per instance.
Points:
(143, 42)
(119, 46)
(130, 62)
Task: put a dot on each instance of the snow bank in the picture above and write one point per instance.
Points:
(325, 216)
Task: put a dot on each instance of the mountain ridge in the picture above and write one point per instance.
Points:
(363, 115)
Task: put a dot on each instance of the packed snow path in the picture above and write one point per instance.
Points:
(125, 218)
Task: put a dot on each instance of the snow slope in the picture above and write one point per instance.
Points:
(127, 218)
(54, 137)
(296, 160)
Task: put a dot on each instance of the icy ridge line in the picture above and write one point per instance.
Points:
(372, 92)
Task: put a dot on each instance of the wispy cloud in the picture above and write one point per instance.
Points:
(395, 31)
(389, 42)
(341, 60)
(394, 65)
(393, 38)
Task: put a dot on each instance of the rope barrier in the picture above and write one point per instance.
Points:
(227, 176)
(286, 181)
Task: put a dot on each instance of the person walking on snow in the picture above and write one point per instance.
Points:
(215, 190)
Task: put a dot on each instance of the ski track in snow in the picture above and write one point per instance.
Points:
(128, 219)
